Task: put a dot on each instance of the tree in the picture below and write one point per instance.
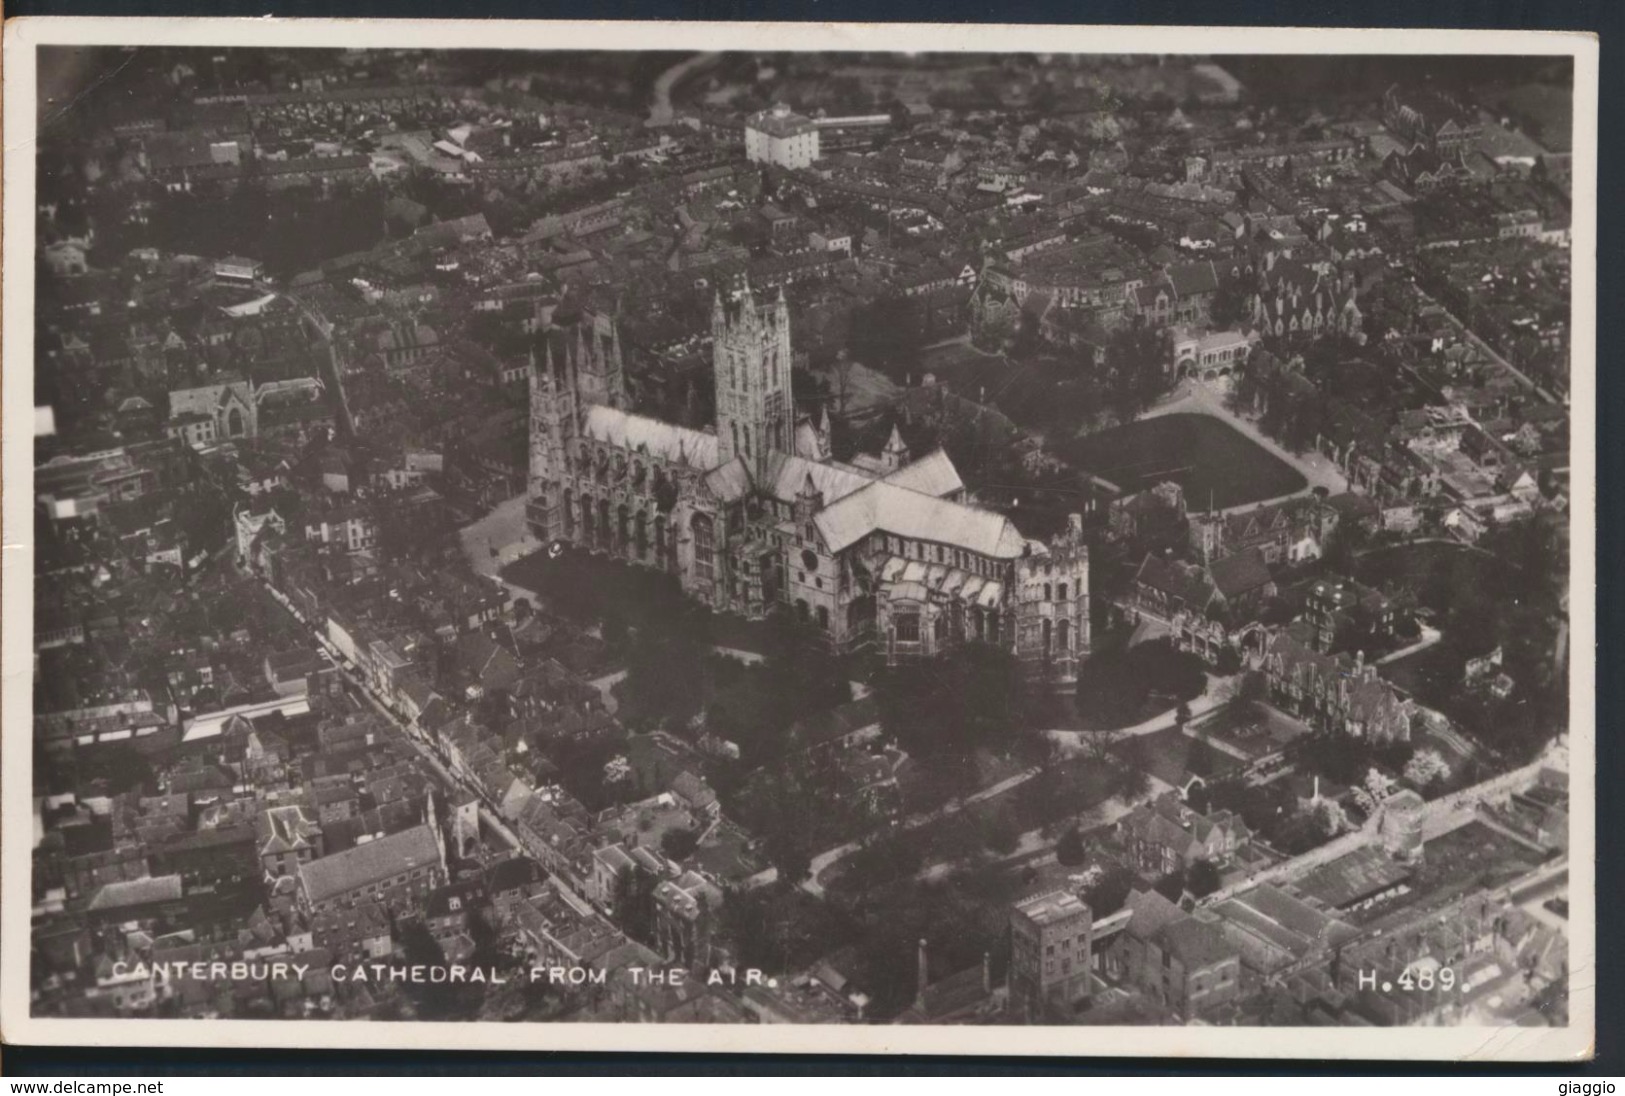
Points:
(1136, 371)
(665, 679)
(436, 1001)
(1229, 305)
(678, 844)
(1202, 878)
(943, 710)
(1247, 392)
(886, 332)
(1248, 692)
(1000, 836)
(1330, 818)
(1070, 850)
(786, 838)
(1133, 775)
(1427, 767)
(1344, 544)
(1171, 886)
(1110, 891)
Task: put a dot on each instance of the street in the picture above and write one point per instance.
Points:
(1485, 348)
(360, 688)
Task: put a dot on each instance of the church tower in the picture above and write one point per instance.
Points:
(751, 368)
(595, 345)
(553, 423)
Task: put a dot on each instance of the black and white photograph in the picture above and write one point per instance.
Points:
(526, 541)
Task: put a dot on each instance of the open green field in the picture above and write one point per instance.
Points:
(1213, 462)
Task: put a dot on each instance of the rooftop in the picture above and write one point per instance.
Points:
(374, 862)
(1051, 908)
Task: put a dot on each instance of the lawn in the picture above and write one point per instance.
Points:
(1214, 463)
(1174, 757)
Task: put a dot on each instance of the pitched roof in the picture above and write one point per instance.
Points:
(1350, 878)
(137, 892)
(1196, 943)
(787, 475)
(1177, 580)
(1240, 572)
(1150, 825)
(933, 474)
(1189, 278)
(892, 509)
(1283, 921)
(624, 430)
(1151, 913)
(373, 862)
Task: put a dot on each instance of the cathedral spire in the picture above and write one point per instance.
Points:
(895, 455)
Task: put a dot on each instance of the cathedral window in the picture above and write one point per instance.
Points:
(704, 546)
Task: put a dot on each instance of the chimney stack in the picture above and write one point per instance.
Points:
(922, 975)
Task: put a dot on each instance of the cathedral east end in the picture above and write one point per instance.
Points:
(883, 551)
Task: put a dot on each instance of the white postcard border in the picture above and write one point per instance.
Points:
(16, 343)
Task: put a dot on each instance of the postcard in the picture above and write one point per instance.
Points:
(842, 538)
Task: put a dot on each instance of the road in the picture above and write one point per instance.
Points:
(1034, 841)
(1439, 817)
(1533, 892)
(1211, 697)
(660, 110)
(1070, 741)
(1488, 350)
(1430, 636)
(359, 687)
(827, 859)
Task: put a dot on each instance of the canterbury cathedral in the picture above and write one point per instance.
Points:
(755, 515)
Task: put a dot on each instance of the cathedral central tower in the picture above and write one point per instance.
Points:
(751, 367)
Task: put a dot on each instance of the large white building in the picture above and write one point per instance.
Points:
(781, 138)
